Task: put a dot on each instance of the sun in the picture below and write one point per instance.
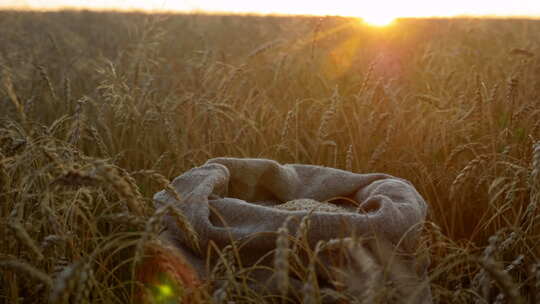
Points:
(379, 20)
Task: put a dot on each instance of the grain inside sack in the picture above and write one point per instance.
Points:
(230, 200)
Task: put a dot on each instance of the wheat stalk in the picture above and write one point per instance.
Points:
(8, 85)
(286, 124)
(309, 291)
(535, 173)
(71, 285)
(534, 185)
(27, 269)
(67, 92)
(45, 76)
(496, 272)
(456, 152)
(281, 258)
(94, 134)
(185, 226)
(381, 148)
(481, 280)
(535, 274)
(122, 186)
(511, 98)
(25, 239)
(78, 122)
(324, 126)
(124, 218)
(349, 159)
(366, 276)
(465, 173)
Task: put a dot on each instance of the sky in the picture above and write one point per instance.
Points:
(361, 8)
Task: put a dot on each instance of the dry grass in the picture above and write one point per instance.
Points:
(99, 111)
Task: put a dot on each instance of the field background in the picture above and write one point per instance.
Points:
(99, 109)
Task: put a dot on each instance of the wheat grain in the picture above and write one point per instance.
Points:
(306, 204)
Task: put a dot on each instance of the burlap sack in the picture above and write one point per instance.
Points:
(229, 199)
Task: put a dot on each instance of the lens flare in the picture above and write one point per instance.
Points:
(165, 291)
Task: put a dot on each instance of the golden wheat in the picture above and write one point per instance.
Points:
(87, 137)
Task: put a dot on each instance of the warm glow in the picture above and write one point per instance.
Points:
(379, 20)
(378, 12)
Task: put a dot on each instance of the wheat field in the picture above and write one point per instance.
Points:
(100, 110)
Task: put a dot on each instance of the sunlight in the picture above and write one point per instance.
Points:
(383, 13)
(379, 20)
(377, 13)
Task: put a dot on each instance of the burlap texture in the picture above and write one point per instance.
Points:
(230, 199)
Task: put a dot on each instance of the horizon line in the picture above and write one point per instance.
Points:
(276, 14)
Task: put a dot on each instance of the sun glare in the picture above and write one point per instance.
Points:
(375, 13)
(379, 20)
